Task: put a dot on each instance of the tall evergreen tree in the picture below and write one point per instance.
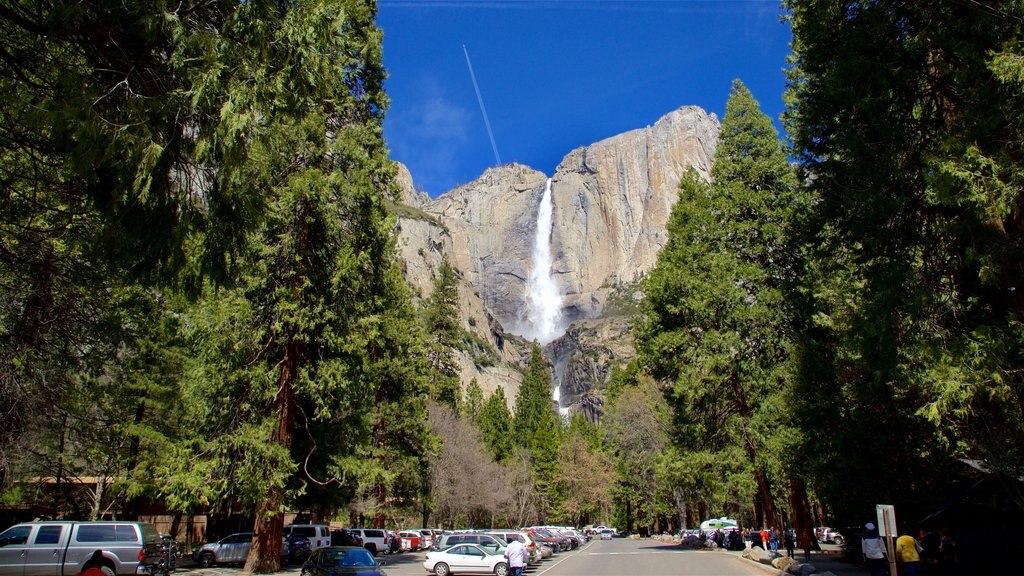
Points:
(319, 336)
(533, 399)
(496, 426)
(444, 334)
(715, 325)
(474, 401)
(544, 451)
(906, 117)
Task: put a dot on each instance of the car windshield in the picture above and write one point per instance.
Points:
(338, 558)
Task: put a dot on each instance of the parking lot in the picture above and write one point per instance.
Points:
(401, 564)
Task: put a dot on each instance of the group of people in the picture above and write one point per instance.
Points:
(929, 555)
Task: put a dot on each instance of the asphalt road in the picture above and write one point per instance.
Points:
(618, 557)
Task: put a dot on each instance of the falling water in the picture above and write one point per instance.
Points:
(543, 302)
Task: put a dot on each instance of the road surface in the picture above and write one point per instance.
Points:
(618, 557)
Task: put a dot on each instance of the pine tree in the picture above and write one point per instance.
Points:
(441, 321)
(474, 401)
(544, 461)
(496, 426)
(715, 322)
(533, 399)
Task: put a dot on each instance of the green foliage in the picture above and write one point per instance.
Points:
(441, 323)
(412, 213)
(715, 323)
(544, 459)
(533, 400)
(583, 428)
(906, 117)
(474, 401)
(496, 426)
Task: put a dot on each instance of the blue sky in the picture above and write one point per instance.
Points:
(558, 74)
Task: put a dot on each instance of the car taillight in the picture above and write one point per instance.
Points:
(142, 555)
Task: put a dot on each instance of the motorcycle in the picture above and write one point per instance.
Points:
(168, 556)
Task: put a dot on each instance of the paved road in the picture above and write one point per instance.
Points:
(647, 558)
(619, 557)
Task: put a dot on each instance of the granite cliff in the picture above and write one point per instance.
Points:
(611, 203)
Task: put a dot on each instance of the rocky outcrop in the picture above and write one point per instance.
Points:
(492, 221)
(489, 355)
(582, 360)
(613, 200)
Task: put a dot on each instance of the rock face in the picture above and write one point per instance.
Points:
(492, 221)
(611, 204)
(613, 200)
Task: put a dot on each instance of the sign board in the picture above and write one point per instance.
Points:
(886, 520)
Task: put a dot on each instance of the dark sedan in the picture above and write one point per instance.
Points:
(342, 560)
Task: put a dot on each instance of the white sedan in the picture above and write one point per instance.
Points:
(466, 559)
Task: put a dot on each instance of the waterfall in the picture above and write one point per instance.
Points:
(543, 302)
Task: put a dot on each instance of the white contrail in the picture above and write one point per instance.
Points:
(480, 99)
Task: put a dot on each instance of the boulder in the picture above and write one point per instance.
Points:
(783, 562)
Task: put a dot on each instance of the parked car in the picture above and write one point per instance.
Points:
(606, 534)
(426, 537)
(299, 548)
(545, 539)
(374, 539)
(485, 541)
(55, 548)
(343, 537)
(830, 536)
(232, 549)
(319, 535)
(509, 535)
(465, 559)
(410, 540)
(342, 560)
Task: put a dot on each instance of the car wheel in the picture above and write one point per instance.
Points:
(441, 569)
(501, 569)
(108, 570)
(206, 559)
(839, 540)
(372, 548)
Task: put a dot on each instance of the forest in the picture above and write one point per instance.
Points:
(201, 302)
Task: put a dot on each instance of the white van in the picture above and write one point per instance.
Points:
(319, 535)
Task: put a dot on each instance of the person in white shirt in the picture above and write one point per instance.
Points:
(516, 554)
(873, 548)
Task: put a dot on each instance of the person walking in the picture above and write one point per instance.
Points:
(908, 553)
(790, 542)
(872, 547)
(516, 554)
(806, 542)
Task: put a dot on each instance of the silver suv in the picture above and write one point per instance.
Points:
(233, 549)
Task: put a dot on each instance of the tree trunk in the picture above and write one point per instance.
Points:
(764, 491)
(801, 511)
(265, 553)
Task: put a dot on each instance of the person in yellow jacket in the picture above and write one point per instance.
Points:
(907, 553)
